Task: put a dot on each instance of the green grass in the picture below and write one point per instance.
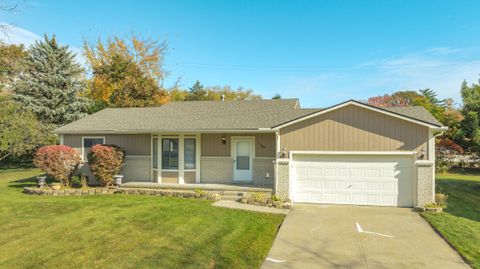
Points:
(121, 231)
(460, 222)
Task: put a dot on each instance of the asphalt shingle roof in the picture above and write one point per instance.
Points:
(416, 112)
(206, 115)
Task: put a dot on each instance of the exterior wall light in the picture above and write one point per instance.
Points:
(421, 154)
(224, 140)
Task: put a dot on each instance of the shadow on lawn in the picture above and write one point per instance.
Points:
(464, 197)
(25, 182)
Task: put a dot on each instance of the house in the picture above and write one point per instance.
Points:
(349, 153)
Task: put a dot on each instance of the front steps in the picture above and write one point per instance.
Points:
(232, 195)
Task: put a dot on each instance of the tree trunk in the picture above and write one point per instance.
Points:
(4, 156)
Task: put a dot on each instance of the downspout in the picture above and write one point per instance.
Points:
(277, 155)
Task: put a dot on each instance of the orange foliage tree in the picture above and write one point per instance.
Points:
(126, 72)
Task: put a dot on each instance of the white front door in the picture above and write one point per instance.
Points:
(242, 149)
(354, 179)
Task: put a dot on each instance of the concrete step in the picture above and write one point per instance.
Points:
(233, 193)
(231, 198)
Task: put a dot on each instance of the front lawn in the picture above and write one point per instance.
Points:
(121, 231)
(460, 222)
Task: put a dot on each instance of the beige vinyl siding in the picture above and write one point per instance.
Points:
(169, 177)
(134, 144)
(212, 145)
(135, 169)
(353, 128)
(189, 176)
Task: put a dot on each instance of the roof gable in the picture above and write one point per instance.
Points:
(416, 115)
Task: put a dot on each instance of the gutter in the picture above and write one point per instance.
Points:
(166, 131)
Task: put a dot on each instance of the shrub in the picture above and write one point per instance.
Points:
(105, 161)
(441, 199)
(447, 154)
(259, 197)
(58, 161)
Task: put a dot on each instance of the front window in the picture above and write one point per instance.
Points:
(89, 142)
(189, 153)
(170, 153)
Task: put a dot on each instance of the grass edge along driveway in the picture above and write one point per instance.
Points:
(459, 224)
(122, 231)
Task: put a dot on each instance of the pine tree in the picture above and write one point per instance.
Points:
(50, 85)
(197, 93)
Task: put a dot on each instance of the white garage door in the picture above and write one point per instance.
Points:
(385, 180)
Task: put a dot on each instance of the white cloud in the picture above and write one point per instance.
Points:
(441, 69)
(12, 34)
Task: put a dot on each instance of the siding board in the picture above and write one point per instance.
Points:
(134, 144)
(353, 128)
(212, 145)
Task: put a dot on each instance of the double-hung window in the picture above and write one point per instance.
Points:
(170, 153)
(189, 153)
(89, 142)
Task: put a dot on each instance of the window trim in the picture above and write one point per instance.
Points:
(178, 157)
(83, 144)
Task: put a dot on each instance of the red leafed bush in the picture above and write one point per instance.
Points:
(105, 161)
(445, 144)
(58, 161)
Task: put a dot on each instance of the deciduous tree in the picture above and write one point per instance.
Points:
(12, 64)
(126, 72)
(20, 132)
(470, 126)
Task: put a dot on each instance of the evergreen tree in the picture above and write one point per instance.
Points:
(197, 93)
(50, 84)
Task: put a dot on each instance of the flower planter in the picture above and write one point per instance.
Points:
(56, 186)
(434, 209)
(41, 181)
(117, 179)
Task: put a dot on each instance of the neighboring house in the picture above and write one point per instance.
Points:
(350, 153)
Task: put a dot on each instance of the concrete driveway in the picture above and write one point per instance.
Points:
(328, 236)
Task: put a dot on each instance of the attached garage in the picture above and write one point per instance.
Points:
(380, 179)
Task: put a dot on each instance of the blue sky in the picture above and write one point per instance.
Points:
(322, 52)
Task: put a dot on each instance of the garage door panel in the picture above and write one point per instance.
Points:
(329, 185)
(364, 180)
(358, 172)
(372, 173)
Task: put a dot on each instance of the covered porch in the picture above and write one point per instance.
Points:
(199, 186)
(232, 192)
(213, 160)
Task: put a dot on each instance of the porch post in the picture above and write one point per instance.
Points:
(181, 159)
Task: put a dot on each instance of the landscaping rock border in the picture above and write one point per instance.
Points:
(133, 191)
(66, 192)
(208, 195)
